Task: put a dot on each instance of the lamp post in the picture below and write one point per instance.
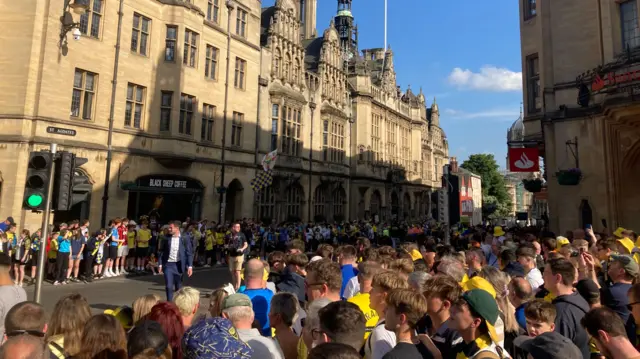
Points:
(66, 20)
(112, 107)
(312, 108)
(221, 188)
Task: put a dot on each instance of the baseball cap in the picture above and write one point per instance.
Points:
(627, 263)
(588, 289)
(123, 314)
(484, 304)
(237, 300)
(549, 345)
(214, 338)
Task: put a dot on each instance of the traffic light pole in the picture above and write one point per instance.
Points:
(42, 253)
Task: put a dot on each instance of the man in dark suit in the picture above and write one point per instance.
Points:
(176, 258)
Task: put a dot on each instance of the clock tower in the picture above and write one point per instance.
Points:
(347, 30)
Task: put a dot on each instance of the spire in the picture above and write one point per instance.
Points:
(520, 109)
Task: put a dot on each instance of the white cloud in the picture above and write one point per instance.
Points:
(490, 78)
(497, 114)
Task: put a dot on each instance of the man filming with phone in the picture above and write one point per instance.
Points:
(236, 246)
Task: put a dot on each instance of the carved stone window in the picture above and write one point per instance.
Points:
(287, 67)
(277, 59)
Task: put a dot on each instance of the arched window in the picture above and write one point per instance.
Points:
(294, 201)
(287, 67)
(266, 203)
(376, 200)
(339, 200)
(332, 87)
(277, 59)
(407, 205)
(296, 71)
(319, 201)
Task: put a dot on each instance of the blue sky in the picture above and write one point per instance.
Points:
(465, 53)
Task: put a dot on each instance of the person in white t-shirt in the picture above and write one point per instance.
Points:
(527, 258)
(381, 341)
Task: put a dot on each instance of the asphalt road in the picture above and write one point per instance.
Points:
(111, 293)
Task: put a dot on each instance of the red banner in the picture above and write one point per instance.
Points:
(524, 160)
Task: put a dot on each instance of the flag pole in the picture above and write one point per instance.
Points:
(385, 26)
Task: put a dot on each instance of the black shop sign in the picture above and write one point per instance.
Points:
(161, 182)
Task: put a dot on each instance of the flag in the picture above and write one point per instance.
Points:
(262, 180)
(269, 160)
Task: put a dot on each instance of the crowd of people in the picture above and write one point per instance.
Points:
(74, 253)
(487, 293)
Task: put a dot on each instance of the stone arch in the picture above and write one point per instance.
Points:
(294, 200)
(320, 201)
(375, 203)
(628, 195)
(406, 205)
(233, 209)
(395, 203)
(339, 203)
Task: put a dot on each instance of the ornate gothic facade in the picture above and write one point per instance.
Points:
(352, 144)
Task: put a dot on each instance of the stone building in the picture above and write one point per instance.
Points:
(351, 144)
(580, 64)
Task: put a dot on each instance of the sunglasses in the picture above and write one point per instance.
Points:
(630, 305)
(15, 333)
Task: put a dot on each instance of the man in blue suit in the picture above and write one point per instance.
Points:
(176, 258)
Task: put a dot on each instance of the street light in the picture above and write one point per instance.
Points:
(222, 189)
(67, 22)
(312, 108)
(78, 6)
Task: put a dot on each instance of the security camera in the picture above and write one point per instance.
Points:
(76, 34)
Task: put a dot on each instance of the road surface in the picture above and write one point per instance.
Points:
(111, 293)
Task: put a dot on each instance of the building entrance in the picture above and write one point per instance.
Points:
(165, 198)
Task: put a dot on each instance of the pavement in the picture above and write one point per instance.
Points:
(109, 293)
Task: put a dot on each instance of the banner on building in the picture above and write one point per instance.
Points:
(269, 160)
(263, 179)
(524, 160)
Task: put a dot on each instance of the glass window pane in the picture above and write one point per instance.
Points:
(129, 92)
(88, 105)
(171, 33)
(136, 21)
(275, 110)
(166, 99)
(77, 79)
(75, 103)
(137, 119)
(145, 25)
(139, 93)
(95, 25)
(84, 23)
(134, 41)
(88, 82)
(97, 5)
(143, 44)
(127, 114)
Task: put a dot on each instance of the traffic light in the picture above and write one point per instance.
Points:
(64, 181)
(37, 183)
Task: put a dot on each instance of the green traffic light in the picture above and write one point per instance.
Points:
(35, 200)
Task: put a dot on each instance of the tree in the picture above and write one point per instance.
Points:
(496, 201)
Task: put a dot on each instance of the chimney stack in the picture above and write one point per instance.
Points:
(454, 164)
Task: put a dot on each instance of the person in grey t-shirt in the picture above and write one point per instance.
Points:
(10, 294)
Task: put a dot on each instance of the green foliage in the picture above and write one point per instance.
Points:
(496, 201)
